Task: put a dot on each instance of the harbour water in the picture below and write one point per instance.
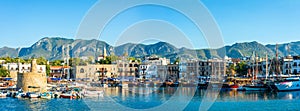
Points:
(163, 99)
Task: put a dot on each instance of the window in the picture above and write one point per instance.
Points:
(81, 70)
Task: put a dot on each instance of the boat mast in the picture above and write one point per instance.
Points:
(276, 66)
(266, 66)
(256, 66)
(288, 47)
(253, 60)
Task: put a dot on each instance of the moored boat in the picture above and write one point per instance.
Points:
(255, 87)
(2, 94)
(32, 95)
(70, 95)
(230, 87)
(289, 84)
(47, 95)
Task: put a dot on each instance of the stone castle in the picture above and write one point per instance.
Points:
(32, 81)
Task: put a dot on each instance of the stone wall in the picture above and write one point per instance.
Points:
(13, 74)
(38, 80)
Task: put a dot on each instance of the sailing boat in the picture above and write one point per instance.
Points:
(257, 85)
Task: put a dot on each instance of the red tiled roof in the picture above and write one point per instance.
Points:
(59, 67)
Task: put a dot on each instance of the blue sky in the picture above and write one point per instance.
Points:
(23, 22)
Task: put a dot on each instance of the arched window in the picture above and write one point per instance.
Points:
(81, 70)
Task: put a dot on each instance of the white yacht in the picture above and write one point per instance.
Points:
(289, 84)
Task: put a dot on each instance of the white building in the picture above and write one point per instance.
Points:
(296, 65)
(287, 65)
(15, 68)
(22, 67)
(156, 61)
(152, 66)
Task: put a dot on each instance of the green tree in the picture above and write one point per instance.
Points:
(56, 63)
(231, 70)
(48, 69)
(4, 72)
(114, 58)
(242, 68)
(134, 59)
(41, 61)
(90, 60)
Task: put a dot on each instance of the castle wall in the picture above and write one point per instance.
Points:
(38, 80)
(34, 79)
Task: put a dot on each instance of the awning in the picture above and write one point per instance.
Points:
(7, 79)
(55, 79)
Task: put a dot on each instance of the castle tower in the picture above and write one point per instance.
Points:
(32, 81)
(33, 66)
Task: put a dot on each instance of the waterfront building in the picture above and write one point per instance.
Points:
(296, 65)
(15, 68)
(60, 71)
(189, 70)
(153, 67)
(154, 60)
(172, 72)
(162, 72)
(128, 69)
(287, 65)
(95, 72)
(143, 68)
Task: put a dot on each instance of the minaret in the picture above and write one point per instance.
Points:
(104, 52)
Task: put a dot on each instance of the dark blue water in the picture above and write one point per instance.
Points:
(163, 99)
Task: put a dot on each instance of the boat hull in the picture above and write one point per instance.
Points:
(255, 88)
(288, 86)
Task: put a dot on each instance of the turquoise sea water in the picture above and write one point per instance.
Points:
(163, 99)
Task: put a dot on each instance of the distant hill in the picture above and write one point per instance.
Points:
(57, 48)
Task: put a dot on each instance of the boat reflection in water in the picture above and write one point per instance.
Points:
(289, 95)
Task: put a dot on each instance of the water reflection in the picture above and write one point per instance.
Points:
(288, 95)
(159, 96)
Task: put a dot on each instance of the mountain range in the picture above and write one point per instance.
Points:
(58, 48)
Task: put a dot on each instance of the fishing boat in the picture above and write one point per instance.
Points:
(18, 94)
(47, 95)
(289, 84)
(230, 87)
(2, 94)
(67, 95)
(255, 87)
(32, 95)
(70, 95)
